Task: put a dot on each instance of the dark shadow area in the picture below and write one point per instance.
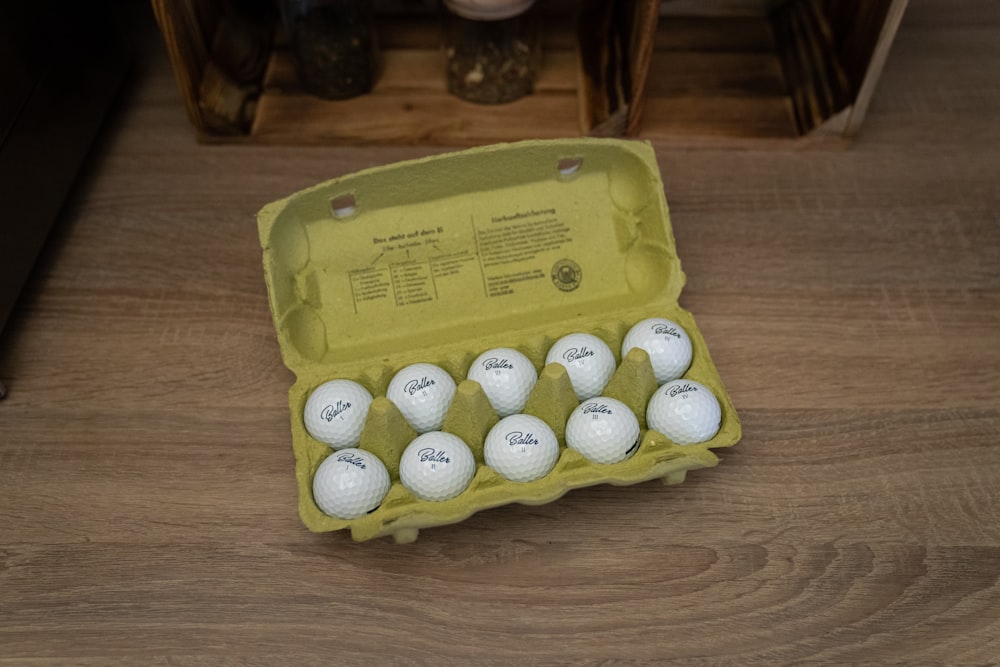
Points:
(70, 72)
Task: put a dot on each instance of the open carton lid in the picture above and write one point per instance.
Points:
(461, 248)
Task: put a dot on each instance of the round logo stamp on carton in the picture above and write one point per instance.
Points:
(566, 275)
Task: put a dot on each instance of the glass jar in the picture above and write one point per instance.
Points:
(333, 44)
(493, 49)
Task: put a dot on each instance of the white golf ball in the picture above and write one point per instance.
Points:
(437, 466)
(350, 483)
(685, 411)
(604, 430)
(506, 376)
(423, 393)
(667, 344)
(588, 360)
(335, 413)
(522, 448)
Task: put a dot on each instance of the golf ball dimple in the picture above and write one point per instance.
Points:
(588, 360)
(335, 413)
(666, 343)
(506, 376)
(350, 483)
(437, 466)
(685, 411)
(522, 448)
(423, 393)
(604, 430)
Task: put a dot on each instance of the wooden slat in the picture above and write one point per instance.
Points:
(595, 29)
(420, 70)
(687, 119)
(187, 30)
(716, 75)
(717, 8)
(727, 34)
(409, 118)
(409, 32)
(642, 42)
(423, 32)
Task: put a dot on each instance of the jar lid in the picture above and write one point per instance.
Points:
(488, 10)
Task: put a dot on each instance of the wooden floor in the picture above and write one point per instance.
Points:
(851, 300)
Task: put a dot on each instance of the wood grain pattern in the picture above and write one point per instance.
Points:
(851, 301)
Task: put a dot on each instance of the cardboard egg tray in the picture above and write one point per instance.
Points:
(439, 259)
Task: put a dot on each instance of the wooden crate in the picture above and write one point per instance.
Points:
(757, 72)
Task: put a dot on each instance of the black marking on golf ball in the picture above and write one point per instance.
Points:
(353, 459)
(515, 438)
(374, 508)
(566, 275)
(331, 412)
(433, 455)
(631, 450)
(596, 408)
(577, 353)
(497, 364)
(413, 386)
(666, 330)
(678, 390)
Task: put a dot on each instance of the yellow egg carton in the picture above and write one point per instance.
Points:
(439, 259)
